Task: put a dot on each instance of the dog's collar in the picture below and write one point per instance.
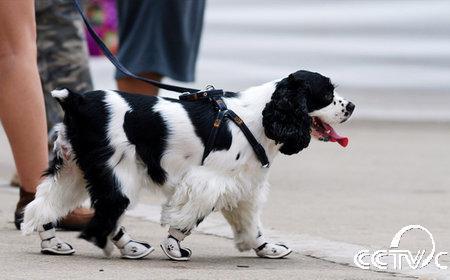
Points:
(215, 96)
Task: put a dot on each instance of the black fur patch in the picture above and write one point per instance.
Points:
(285, 117)
(320, 90)
(202, 114)
(199, 220)
(147, 131)
(86, 122)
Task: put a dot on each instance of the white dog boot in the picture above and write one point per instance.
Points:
(270, 250)
(52, 245)
(130, 249)
(171, 246)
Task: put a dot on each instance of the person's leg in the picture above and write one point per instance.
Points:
(22, 110)
(128, 84)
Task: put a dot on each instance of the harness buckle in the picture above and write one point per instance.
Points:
(221, 106)
(217, 123)
(238, 120)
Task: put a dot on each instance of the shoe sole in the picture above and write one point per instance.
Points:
(277, 257)
(143, 255)
(175, 258)
(50, 251)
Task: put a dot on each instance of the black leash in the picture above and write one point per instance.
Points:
(188, 94)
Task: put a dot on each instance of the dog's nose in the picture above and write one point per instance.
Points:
(350, 107)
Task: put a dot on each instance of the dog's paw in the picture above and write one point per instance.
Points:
(171, 247)
(55, 246)
(273, 251)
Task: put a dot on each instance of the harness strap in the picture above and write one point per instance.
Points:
(121, 238)
(257, 147)
(119, 65)
(213, 134)
(47, 232)
(225, 112)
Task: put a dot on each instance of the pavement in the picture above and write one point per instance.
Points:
(215, 258)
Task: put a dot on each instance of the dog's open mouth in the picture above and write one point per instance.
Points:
(324, 132)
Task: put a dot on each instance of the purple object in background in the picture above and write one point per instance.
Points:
(103, 17)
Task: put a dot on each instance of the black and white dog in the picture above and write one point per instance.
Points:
(113, 144)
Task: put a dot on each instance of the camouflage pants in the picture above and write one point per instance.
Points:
(62, 52)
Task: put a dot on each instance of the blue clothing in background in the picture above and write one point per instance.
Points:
(160, 36)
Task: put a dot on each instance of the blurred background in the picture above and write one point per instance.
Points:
(391, 57)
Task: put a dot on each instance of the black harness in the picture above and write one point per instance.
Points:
(215, 96)
(188, 94)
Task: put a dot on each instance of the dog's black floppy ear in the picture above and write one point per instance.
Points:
(285, 117)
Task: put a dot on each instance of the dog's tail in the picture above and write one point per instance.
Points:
(67, 98)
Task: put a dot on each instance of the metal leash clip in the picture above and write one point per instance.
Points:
(209, 87)
(209, 92)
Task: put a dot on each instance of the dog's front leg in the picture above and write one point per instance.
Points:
(246, 225)
(183, 212)
(171, 245)
(244, 220)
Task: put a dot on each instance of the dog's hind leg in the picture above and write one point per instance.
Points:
(61, 191)
(108, 202)
(109, 196)
(56, 196)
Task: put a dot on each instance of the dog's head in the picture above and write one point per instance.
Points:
(304, 104)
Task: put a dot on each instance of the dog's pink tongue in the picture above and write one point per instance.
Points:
(334, 137)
